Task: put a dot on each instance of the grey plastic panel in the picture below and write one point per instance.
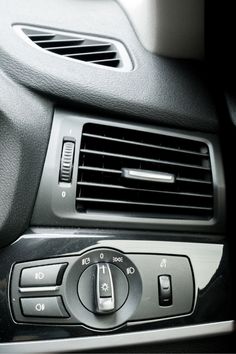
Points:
(55, 204)
(179, 269)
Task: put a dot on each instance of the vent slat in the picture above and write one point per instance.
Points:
(107, 156)
(191, 180)
(106, 170)
(97, 169)
(107, 62)
(139, 158)
(41, 36)
(102, 185)
(92, 200)
(93, 56)
(144, 145)
(70, 49)
(56, 42)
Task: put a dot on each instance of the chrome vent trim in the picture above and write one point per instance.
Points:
(144, 175)
(104, 52)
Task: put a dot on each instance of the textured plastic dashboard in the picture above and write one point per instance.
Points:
(164, 91)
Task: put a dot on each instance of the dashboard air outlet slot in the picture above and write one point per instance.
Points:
(101, 51)
(171, 175)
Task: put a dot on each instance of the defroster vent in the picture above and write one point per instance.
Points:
(90, 49)
(141, 174)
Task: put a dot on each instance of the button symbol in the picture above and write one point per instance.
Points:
(63, 194)
(39, 276)
(117, 259)
(85, 261)
(105, 287)
(163, 263)
(130, 270)
(103, 269)
(39, 307)
(101, 255)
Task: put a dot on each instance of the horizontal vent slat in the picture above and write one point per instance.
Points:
(41, 37)
(97, 169)
(106, 170)
(107, 62)
(191, 180)
(93, 56)
(144, 145)
(102, 185)
(56, 42)
(106, 152)
(139, 158)
(141, 203)
(70, 49)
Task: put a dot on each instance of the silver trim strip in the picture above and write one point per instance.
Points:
(37, 289)
(117, 340)
(145, 175)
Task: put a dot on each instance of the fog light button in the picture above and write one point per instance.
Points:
(43, 307)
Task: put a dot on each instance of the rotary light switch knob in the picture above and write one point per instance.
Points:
(109, 288)
(104, 289)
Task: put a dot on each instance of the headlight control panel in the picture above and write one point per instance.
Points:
(102, 289)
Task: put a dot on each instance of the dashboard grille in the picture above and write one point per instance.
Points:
(93, 50)
(106, 151)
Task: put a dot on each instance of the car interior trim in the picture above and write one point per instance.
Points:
(118, 340)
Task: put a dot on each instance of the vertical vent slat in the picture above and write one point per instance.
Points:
(102, 187)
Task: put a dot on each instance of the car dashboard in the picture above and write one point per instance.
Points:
(116, 188)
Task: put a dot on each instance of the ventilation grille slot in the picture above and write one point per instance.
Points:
(102, 187)
(93, 50)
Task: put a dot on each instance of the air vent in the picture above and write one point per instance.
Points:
(142, 174)
(94, 50)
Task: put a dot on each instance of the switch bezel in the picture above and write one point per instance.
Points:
(137, 268)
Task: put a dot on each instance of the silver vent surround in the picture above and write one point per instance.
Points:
(102, 52)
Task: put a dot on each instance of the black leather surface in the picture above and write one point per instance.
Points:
(25, 121)
(164, 91)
